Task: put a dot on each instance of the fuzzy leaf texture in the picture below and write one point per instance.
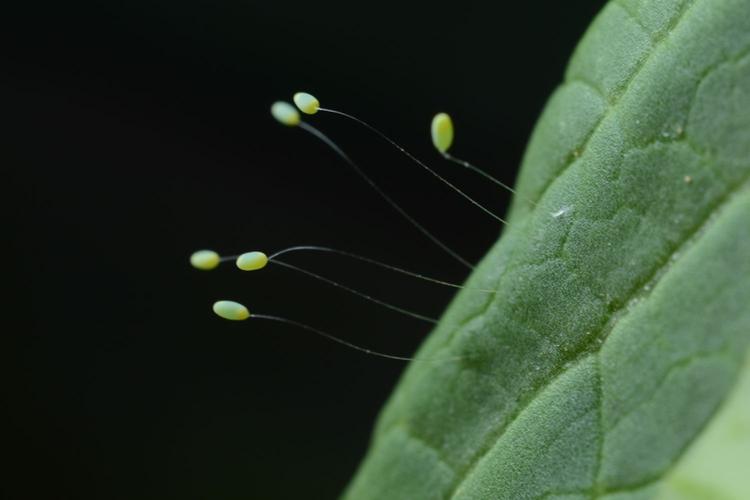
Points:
(622, 315)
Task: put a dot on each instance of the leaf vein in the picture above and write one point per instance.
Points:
(658, 42)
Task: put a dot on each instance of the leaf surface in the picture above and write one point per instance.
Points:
(622, 313)
(716, 465)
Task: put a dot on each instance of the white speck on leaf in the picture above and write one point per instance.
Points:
(560, 213)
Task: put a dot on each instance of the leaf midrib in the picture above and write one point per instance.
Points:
(654, 278)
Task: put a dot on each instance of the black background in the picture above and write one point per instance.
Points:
(139, 131)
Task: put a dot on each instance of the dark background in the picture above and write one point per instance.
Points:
(139, 131)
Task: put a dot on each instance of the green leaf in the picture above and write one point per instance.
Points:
(622, 313)
(716, 465)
